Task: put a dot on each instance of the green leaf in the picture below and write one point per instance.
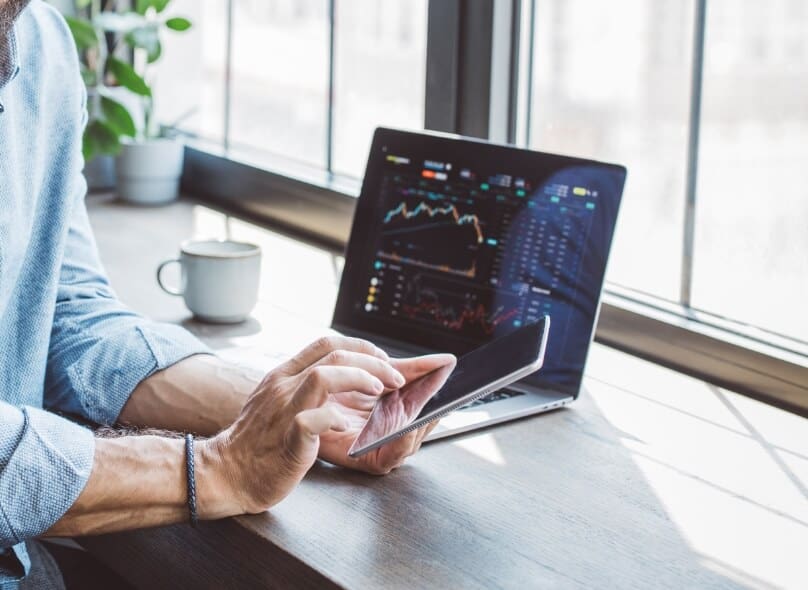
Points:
(83, 3)
(83, 32)
(87, 75)
(99, 138)
(178, 23)
(117, 117)
(154, 55)
(146, 38)
(160, 5)
(127, 77)
(141, 6)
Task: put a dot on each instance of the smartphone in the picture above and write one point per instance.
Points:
(476, 374)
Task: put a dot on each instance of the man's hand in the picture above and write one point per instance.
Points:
(296, 412)
(356, 406)
(264, 454)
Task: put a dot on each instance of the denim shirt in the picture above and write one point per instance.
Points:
(67, 345)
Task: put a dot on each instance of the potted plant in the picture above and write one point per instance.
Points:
(148, 163)
(108, 120)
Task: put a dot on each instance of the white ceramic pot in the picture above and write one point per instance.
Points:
(148, 172)
(100, 173)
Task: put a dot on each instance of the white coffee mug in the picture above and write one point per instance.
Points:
(219, 279)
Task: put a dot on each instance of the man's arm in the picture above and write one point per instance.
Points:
(201, 394)
(136, 482)
(99, 349)
(139, 481)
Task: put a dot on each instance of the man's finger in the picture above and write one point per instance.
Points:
(423, 432)
(404, 447)
(355, 400)
(374, 365)
(309, 424)
(317, 382)
(413, 368)
(323, 346)
(319, 420)
(418, 437)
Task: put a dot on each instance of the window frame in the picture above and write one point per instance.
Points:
(474, 65)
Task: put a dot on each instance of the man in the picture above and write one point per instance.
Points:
(67, 346)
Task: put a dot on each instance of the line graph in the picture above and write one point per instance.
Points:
(452, 305)
(470, 272)
(424, 208)
(436, 235)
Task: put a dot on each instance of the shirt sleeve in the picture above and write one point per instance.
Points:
(100, 350)
(45, 461)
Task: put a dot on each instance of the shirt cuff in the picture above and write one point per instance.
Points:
(44, 475)
(105, 380)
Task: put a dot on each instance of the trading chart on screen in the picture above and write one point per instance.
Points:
(473, 252)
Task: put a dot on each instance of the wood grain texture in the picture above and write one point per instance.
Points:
(651, 480)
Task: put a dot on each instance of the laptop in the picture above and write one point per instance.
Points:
(458, 241)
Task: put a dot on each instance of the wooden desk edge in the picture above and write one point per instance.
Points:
(218, 554)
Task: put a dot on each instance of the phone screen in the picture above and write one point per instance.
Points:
(449, 384)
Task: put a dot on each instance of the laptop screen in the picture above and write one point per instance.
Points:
(456, 242)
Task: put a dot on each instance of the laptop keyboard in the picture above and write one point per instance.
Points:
(495, 397)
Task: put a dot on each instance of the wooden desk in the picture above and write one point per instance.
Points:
(651, 480)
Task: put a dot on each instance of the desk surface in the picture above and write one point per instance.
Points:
(651, 479)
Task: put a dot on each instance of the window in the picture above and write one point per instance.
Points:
(380, 62)
(751, 248)
(190, 82)
(615, 81)
(612, 82)
(279, 75)
(297, 81)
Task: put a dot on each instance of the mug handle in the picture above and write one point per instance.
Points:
(160, 268)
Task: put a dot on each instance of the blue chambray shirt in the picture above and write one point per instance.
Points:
(66, 343)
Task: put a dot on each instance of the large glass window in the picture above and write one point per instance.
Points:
(380, 69)
(279, 88)
(612, 82)
(189, 83)
(751, 254)
(290, 98)
(618, 81)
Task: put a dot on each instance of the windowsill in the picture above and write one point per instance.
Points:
(709, 325)
(680, 339)
(279, 165)
(293, 198)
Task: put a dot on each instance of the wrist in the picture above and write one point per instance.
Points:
(215, 486)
